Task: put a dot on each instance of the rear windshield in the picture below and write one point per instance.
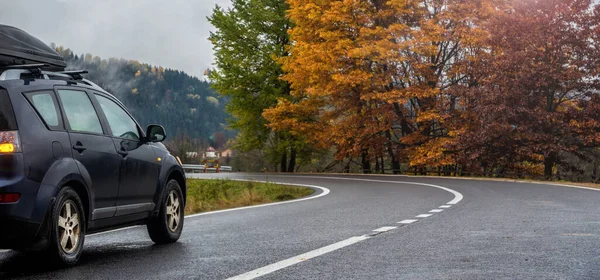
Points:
(7, 117)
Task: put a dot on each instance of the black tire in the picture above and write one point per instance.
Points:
(73, 229)
(162, 229)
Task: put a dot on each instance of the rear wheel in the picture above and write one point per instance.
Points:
(167, 226)
(67, 229)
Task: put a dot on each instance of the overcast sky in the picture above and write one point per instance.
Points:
(170, 33)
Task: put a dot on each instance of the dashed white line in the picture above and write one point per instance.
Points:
(445, 206)
(297, 259)
(407, 221)
(384, 229)
(436, 210)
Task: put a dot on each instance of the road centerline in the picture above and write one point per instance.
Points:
(299, 258)
(384, 229)
(336, 246)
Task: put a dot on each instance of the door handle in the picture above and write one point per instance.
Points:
(79, 147)
(123, 152)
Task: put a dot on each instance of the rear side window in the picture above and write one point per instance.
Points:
(7, 116)
(45, 104)
(79, 111)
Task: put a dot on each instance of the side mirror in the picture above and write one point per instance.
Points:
(156, 133)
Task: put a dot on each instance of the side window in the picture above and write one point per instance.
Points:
(45, 104)
(7, 117)
(121, 124)
(79, 111)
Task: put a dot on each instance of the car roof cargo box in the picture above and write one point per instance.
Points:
(18, 47)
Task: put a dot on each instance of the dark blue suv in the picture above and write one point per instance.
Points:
(74, 161)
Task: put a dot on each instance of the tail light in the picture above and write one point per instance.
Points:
(9, 197)
(10, 142)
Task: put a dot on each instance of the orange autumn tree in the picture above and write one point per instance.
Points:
(375, 77)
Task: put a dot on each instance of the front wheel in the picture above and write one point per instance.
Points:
(167, 226)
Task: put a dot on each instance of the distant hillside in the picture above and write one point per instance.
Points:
(183, 104)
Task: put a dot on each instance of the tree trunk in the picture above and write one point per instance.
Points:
(377, 167)
(292, 164)
(366, 164)
(395, 165)
(392, 154)
(283, 162)
(549, 162)
(382, 164)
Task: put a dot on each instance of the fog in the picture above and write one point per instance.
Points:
(173, 34)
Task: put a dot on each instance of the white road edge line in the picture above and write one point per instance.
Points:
(407, 221)
(436, 210)
(457, 196)
(324, 192)
(297, 259)
(424, 215)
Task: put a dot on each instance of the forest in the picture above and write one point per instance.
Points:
(474, 88)
(186, 106)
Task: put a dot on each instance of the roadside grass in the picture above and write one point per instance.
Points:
(216, 194)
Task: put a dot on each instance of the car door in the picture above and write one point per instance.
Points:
(140, 166)
(94, 151)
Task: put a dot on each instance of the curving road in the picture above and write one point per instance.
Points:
(477, 230)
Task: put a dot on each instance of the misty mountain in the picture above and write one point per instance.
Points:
(183, 104)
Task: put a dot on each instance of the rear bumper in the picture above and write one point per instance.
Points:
(16, 233)
(20, 221)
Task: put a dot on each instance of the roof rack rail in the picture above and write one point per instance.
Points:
(15, 72)
(27, 66)
(34, 69)
(75, 74)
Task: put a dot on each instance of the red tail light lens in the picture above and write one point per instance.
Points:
(9, 197)
(10, 142)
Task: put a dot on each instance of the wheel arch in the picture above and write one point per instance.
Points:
(178, 176)
(65, 173)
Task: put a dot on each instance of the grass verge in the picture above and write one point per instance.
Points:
(215, 194)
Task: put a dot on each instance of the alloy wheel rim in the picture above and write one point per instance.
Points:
(69, 227)
(173, 211)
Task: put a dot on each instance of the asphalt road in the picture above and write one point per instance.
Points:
(485, 230)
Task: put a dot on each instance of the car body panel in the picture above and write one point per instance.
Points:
(139, 172)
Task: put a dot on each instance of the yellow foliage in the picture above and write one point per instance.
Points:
(358, 70)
